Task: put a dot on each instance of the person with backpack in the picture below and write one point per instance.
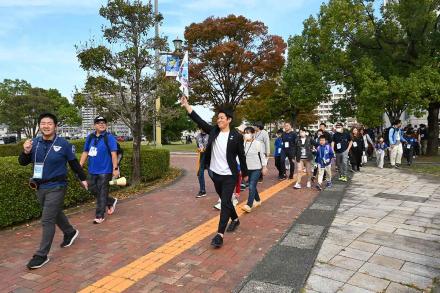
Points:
(396, 138)
(341, 143)
(410, 145)
(323, 159)
(423, 139)
(103, 153)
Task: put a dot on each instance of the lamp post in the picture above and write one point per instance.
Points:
(157, 130)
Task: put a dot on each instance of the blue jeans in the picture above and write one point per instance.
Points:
(201, 172)
(254, 175)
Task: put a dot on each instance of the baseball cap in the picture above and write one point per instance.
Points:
(98, 119)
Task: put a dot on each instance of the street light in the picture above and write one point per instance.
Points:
(177, 45)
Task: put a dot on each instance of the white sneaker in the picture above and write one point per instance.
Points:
(297, 186)
(234, 200)
(309, 184)
(218, 205)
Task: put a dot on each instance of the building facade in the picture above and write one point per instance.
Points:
(324, 113)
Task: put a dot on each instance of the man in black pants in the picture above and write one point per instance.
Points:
(288, 150)
(224, 145)
(49, 155)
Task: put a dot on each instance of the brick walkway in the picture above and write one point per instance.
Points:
(141, 225)
(385, 237)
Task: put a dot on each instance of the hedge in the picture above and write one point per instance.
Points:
(18, 202)
(10, 150)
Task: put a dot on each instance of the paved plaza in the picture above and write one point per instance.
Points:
(385, 237)
(380, 233)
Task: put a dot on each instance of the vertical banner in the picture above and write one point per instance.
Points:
(172, 66)
(183, 76)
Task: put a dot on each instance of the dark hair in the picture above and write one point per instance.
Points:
(339, 124)
(322, 137)
(48, 115)
(260, 125)
(249, 129)
(303, 129)
(396, 122)
(322, 123)
(229, 113)
(280, 131)
(410, 132)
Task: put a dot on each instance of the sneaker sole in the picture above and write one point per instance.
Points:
(200, 196)
(97, 223)
(114, 207)
(39, 266)
(216, 245)
(72, 240)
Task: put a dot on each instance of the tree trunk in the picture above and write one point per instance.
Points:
(433, 129)
(137, 139)
(18, 135)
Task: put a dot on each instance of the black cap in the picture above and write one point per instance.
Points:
(98, 119)
(339, 124)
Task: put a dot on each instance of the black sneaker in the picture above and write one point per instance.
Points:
(281, 178)
(290, 176)
(217, 241)
(37, 262)
(233, 225)
(69, 239)
(201, 194)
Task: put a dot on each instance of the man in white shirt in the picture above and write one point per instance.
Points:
(224, 145)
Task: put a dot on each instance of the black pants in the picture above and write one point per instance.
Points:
(224, 186)
(356, 160)
(290, 156)
(98, 186)
(51, 201)
(408, 153)
(278, 166)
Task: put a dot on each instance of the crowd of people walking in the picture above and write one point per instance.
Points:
(235, 158)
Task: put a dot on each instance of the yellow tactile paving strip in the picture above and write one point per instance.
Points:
(125, 277)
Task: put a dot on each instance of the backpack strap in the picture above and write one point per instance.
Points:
(106, 144)
(89, 139)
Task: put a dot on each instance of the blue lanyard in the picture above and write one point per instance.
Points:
(36, 150)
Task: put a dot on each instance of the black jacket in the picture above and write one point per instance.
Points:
(234, 148)
(308, 145)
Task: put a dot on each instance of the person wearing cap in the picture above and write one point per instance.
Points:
(49, 154)
(262, 136)
(225, 144)
(341, 143)
(101, 149)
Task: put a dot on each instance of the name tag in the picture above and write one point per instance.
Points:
(286, 144)
(38, 171)
(422, 135)
(279, 150)
(408, 146)
(93, 151)
(303, 152)
(338, 146)
(355, 144)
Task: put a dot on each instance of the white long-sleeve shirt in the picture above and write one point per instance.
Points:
(263, 137)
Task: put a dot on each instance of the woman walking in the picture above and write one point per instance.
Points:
(357, 149)
(256, 162)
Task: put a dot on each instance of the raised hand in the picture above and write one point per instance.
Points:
(27, 146)
(184, 103)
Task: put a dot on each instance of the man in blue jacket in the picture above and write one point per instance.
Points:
(101, 148)
(396, 138)
(49, 154)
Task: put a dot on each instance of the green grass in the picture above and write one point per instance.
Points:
(429, 159)
(426, 169)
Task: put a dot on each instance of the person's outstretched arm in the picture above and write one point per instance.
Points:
(194, 117)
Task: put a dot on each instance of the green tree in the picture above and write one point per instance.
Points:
(21, 104)
(119, 80)
(173, 118)
(372, 56)
(304, 84)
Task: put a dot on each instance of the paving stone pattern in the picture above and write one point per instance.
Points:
(384, 238)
